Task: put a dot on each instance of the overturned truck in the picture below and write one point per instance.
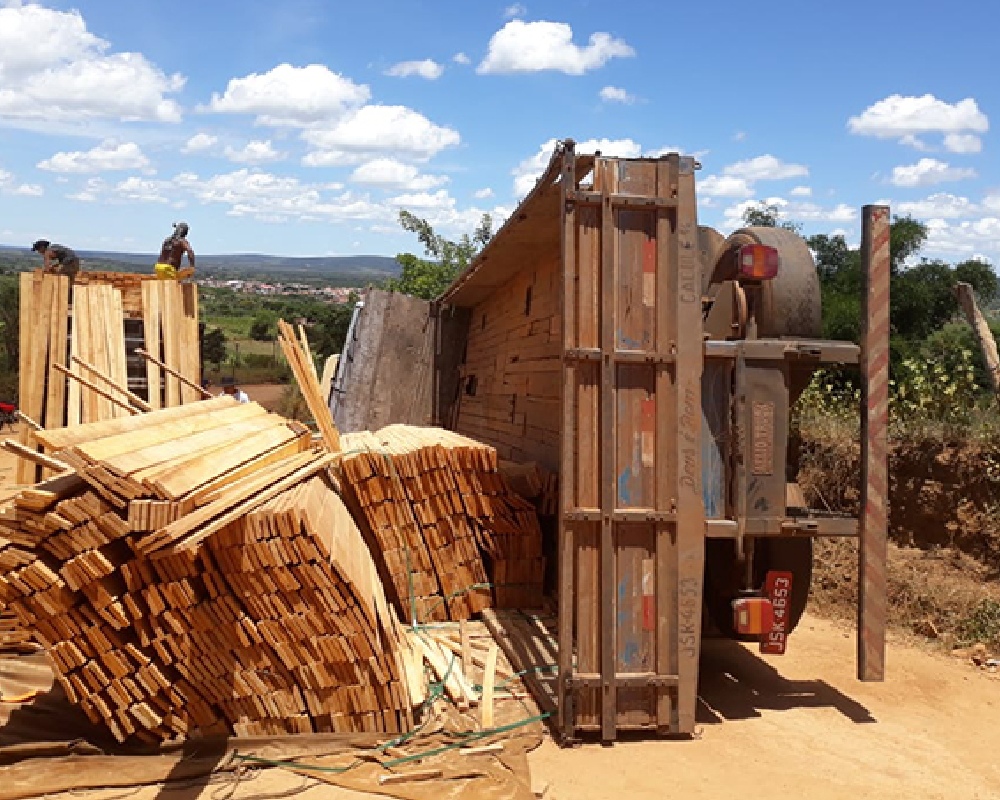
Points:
(652, 363)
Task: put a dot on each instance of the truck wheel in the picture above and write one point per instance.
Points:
(722, 576)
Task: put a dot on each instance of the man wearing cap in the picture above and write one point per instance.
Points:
(57, 258)
(172, 252)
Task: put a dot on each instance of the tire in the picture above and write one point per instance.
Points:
(793, 305)
(722, 577)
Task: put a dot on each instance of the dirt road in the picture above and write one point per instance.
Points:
(932, 730)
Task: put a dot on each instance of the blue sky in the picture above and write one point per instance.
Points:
(301, 127)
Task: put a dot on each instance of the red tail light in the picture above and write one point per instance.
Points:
(758, 262)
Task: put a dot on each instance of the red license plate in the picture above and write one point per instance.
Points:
(778, 589)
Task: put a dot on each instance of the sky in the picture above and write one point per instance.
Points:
(302, 127)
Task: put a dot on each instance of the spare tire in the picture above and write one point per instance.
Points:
(792, 303)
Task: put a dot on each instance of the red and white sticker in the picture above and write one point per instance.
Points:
(778, 589)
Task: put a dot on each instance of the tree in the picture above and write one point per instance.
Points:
(906, 237)
(444, 259)
(767, 215)
(213, 346)
(329, 332)
(10, 312)
(262, 328)
(982, 278)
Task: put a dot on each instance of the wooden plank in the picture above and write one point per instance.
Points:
(872, 607)
(27, 369)
(170, 371)
(305, 375)
(151, 334)
(73, 398)
(100, 392)
(690, 510)
(609, 433)
(117, 366)
(189, 350)
(69, 437)
(33, 456)
(170, 309)
(133, 398)
(55, 403)
(667, 433)
(489, 686)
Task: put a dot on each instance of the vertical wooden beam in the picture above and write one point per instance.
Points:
(567, 441)
(609, 446)
(874, 444)
(690, 506)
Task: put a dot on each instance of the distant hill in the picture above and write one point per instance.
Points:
(344, 270)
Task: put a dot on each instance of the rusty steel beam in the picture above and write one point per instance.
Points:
(874, 444)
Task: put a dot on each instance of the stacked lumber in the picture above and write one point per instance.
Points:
(129, 284)
(13, 637)
(199, 573)
(73, 360)
(535, 483)
(435, 503)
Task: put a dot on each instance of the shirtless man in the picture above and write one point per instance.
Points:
(172, 252)
(57, 258)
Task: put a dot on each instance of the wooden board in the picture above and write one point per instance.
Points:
(151, 333)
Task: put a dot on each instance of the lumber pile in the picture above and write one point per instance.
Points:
(13, 637)
(198, 572)
(440, 512)
(535, 483)
(74, 367)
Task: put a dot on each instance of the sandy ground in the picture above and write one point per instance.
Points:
(800, 725)
(267, 394)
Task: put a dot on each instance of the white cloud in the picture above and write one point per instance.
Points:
(52, 69)
(963, 143)
(765, 168)
(801, 191)
(991, 202)
(928, 171)
(106, 157)
(378, 129)
(515, 10)
(483, 194)
(8, 185)
(613, 94)
(915, 142)
(536, 46)
(789, 210)
(957, 241)
(254, 152)
(199, 143)
(288, 95)
(905, 116)
(739, 136)
(427, 68)
(461, 58)
(389, 173)
(724, 186)
(528, 171)
(941, 205)
(143, 190)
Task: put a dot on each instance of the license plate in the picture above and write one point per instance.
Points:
(778, 589)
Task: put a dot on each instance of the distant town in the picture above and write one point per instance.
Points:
(331, 294)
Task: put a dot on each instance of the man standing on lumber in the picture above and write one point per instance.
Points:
(172, 252)
(57, 258)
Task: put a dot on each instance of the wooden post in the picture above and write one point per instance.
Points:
(874, 444)
(982, 332)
